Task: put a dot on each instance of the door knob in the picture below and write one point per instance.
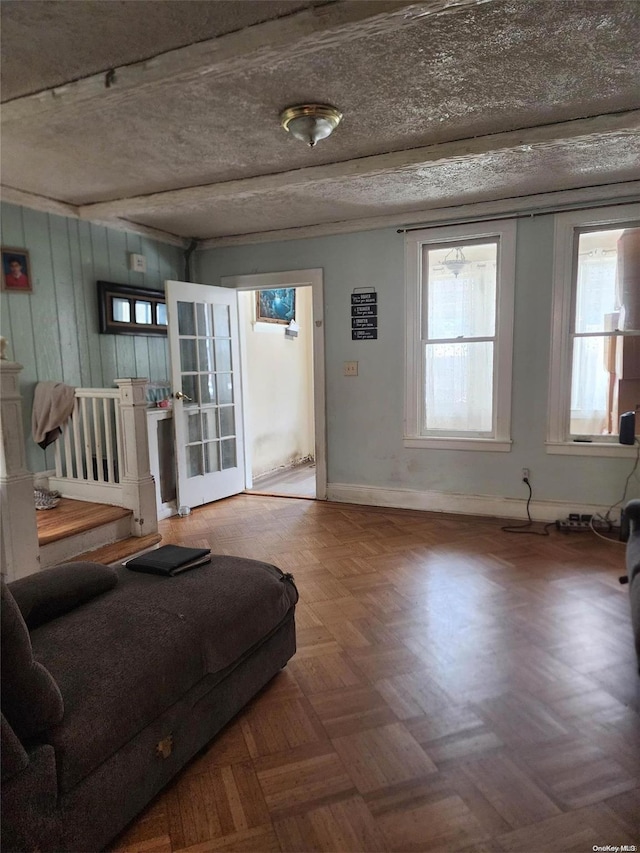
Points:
(180, 396)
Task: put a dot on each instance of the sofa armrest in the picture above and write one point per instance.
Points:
(14, 756)
(632, 512)
(30, 820)
(50, 593)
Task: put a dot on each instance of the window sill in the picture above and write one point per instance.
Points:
(451, 443)
(590, 448)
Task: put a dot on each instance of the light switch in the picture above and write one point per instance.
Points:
(351, 368)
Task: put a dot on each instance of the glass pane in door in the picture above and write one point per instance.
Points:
(225, 388)
(190, 388)
(194, 460)
(211, 457)
(207, 388)
(221, 321)
(205, 324)
(188, 362)
(194, 428)
(223, 354)
(210, 423)
(228, 452)
(186, 320)
(227, 421)
(207, 357)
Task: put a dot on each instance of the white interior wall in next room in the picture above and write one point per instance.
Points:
(279, 390)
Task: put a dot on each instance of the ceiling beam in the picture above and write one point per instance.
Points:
(550, 202)
(589, 129)
(262, 45)
(10, 195)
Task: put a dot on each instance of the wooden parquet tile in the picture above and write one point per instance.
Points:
(455, 689)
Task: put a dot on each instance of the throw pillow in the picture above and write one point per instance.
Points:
(31, 699)
(50, 593)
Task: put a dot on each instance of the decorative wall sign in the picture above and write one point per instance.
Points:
(364, 315)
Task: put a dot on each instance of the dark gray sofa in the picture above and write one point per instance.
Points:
(632, 516)
(112, 681)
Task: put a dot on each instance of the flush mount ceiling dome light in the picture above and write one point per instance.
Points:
(310, 122)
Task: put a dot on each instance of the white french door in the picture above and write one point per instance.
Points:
(207, 403)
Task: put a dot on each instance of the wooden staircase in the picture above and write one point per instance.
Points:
(89, 531)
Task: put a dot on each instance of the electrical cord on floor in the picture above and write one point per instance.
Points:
(606, 518)
(600, 536)
(626, 484)
(526, 527)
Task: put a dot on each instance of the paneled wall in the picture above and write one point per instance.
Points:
(53, 332)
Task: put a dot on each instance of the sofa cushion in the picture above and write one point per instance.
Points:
(130, 654)
(54, 592)
(31, 700)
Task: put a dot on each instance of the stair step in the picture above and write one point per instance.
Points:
(119, 551)
(72, 517)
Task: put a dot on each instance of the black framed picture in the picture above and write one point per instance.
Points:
(126, 310)
(276, 306)
(16, 272)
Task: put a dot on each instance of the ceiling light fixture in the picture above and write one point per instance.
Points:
(310, 122)
(455, 261)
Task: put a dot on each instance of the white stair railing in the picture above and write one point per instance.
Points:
(102, 455)
(88, 449)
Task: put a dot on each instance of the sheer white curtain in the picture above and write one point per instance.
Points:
(592, 356)
(459, 374)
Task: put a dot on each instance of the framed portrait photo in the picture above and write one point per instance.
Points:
(276, 306)
(16, 272)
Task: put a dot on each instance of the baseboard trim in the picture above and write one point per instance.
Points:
(41, 478)
(430, 501)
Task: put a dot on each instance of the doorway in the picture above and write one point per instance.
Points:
(282, 371)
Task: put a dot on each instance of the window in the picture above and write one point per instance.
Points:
(595, 347)
(459, 301)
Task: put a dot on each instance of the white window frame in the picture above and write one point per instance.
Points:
(564, 277)
(415, 434)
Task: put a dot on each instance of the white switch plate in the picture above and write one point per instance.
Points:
(137, 263)
(351, 368)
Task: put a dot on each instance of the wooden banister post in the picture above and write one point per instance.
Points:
(138, 486)
(19, 550)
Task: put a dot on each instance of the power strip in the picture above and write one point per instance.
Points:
(569, 525)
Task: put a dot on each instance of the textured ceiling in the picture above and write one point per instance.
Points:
(430, 74)
(67, 40)
(482, 178)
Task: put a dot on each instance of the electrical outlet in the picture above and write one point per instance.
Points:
(526, 474)
(351, 368)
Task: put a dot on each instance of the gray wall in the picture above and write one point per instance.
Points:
(365, 414)
(53, 332)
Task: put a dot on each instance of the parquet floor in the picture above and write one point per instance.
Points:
(296, 482)
(455, 688)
